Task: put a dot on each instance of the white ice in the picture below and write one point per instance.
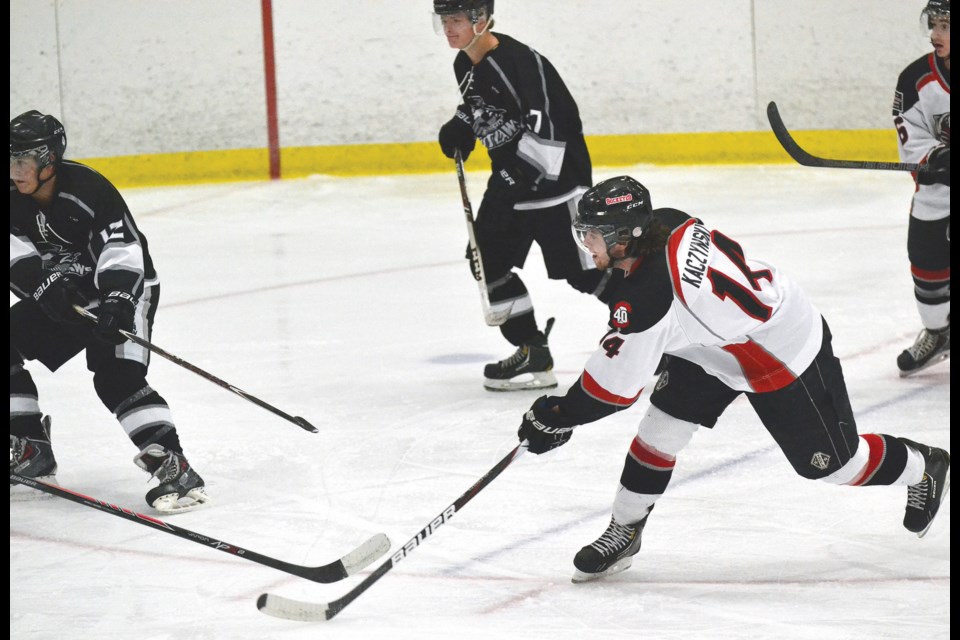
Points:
(348, 302)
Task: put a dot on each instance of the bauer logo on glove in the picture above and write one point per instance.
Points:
(543, 427)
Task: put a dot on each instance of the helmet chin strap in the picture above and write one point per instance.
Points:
(41, 183)
(476, 36)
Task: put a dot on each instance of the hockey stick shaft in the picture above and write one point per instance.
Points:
(286, 608)
(297, 420)
(808, 160)
(349, 564)
(491, 317)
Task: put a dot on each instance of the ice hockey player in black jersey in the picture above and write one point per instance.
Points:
(74, 242)
(516, 104)
(921, 115)
(730, 324)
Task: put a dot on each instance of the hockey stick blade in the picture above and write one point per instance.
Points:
(355, 561)
(808, 160)
(289, 609)
(149, 346)
(493, 318)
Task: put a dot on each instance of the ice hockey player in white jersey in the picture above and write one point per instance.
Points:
(73, 242)
(729, 324)
(517, 105)
(921, 114)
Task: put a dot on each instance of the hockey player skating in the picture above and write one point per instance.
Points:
(921, 110)
(730, 325)
(74, 242)
(516, 104)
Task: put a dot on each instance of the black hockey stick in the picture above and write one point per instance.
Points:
(348, 565)
(297, 420)
(492, 318)
(281, 607)
(791, 147)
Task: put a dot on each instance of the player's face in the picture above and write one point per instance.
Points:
(25, 173)
(593, 243)
(940, 36)
(458, 29)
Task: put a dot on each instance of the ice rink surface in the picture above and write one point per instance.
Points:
(348, 302)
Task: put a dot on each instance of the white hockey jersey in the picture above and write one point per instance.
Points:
(921, 114)
(703, 300)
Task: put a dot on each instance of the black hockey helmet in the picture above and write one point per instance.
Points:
(936, 9)
(33, 133)
(618, 208)
(472, 8)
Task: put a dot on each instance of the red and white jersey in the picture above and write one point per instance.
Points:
(708, 302)
(921, 114)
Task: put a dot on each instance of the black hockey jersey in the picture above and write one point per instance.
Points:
(87, 230)
(520, 109)
(705, 301)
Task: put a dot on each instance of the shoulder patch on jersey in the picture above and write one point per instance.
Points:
(620, 315)
(897, 102)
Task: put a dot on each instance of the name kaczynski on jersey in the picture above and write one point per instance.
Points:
(696, 262)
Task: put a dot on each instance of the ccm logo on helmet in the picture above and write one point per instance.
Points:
(626, 198)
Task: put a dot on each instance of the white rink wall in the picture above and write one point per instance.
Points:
(140, 77)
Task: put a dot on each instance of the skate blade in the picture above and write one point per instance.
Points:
(943, 498)
(619, 566)
(539, 380)
(940, 358)
(171, 503)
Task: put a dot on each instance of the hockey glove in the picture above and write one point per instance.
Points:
(116, 314)
(939, 171)
(543, 428)
(57, 294)
(514, 178)
(457, 134)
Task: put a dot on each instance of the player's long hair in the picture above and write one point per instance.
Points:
(653, 240)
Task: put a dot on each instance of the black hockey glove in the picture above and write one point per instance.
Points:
(457, 134)
(939, 171)
(514, 178)
(116, 314)
(57, 294)
(543, 428)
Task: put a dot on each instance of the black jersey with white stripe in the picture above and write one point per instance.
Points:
(87, 230)
(520, 109)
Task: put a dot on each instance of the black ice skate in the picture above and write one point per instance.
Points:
(33, 458)
(178, 480)
(931, 347)
(925, 497)
(530, 367)
(611, 553)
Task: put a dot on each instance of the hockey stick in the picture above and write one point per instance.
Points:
(492, 318)
(791, 147)
(348, 565)
(281, 607)
(297, 420)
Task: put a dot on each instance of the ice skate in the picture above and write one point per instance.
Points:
(925, 497)
(611, 553)
(530, 367)
(32, 458)
(931, 347)
(181, 488)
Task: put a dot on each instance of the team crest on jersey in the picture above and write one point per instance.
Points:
(621, 315)
(820, 460)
